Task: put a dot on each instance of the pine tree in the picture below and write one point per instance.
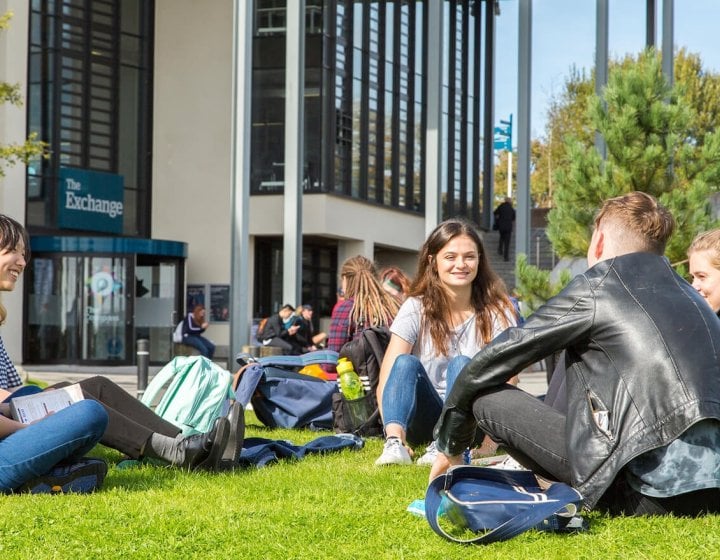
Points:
(657, 142)
(647, 127)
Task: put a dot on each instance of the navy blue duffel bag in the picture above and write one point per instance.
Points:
(283, 398)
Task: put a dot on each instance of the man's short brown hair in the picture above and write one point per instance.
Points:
(641, 223)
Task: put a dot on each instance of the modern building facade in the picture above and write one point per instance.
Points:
(131, 213)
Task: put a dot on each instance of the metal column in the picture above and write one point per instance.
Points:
(601, 62)
(433, 133)
(240, 160)
(294, 151)
(488, 195)
(668, 54)
(650, 20)
(522, 222)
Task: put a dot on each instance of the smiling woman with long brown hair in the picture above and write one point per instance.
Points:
(456, 305)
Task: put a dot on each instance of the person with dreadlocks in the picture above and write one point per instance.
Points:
(456, 305)
(366, 303)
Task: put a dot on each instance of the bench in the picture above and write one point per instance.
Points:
(221, 352)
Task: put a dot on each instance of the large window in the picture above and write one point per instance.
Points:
(89, 98)
(319, 276)
(365, 94)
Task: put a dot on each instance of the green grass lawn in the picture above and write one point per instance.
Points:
(333, 506)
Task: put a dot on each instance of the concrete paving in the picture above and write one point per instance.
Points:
(531, 380)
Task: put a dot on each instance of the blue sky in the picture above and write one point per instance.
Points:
(564, 35)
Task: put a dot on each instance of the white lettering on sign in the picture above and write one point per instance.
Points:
(72, 185)
(89, 203)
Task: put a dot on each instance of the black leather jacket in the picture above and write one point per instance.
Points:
(641, 344)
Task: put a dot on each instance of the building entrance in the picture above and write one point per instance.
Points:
(92, 308)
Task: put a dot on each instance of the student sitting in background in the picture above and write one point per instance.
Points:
(193, 327)
(306, 336)
(280, 331)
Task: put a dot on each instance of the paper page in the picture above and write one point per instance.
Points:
(29, 408)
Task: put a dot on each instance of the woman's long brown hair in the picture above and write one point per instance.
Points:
(489, 295)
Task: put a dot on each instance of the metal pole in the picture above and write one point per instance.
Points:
(294, 150)
(143, 361)
(667, 39)
(433, 134)
(522, 190)
(240, 318)
(601, 63)
(509, 190)
(488, 195)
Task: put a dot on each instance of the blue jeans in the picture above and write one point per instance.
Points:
(64, 436)
(202, 344)
(410, 400)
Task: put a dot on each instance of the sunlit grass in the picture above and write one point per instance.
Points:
(333, 506)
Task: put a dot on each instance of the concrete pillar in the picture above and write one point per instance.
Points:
(294, 152)
(240, 279)
(433, 134)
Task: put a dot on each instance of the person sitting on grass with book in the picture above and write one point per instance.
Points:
(47, 455)
(130, 427)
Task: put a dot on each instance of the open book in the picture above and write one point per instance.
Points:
(29, 408)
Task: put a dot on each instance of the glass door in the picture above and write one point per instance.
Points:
(156, 296)
(79, 310)
(106, 310)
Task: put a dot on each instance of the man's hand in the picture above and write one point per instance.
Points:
(443, 463)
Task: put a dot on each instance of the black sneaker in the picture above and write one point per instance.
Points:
(82, 477)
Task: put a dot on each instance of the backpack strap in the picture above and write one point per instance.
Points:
(250, 376)
(160, 379)
(559, 495)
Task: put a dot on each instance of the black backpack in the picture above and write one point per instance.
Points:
(366, 353)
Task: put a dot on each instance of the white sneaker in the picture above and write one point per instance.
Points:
(394, 453)
(429, 457)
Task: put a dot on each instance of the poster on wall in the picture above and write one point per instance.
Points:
(195, 296)
(219, 303)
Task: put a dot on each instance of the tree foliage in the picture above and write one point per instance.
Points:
(10, 154)
(566, 116)
(659, 139)
(536, 286)
(656, 142)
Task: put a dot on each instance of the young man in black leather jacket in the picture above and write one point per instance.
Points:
(642, 430)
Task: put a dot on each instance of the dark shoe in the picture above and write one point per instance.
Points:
(236, 419)
(215, 444)
(198, 447)
(82, 477)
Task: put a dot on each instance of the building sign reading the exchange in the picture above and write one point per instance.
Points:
(90, 200)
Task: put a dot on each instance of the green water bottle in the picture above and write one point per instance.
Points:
(350, 383)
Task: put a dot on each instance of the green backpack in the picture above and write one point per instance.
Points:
(198, 392)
